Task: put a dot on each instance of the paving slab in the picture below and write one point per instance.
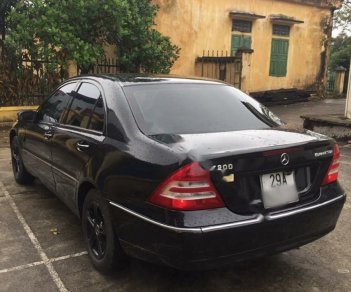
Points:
(33, 279)
(47, 215)
(44, 212)
(290, 271)
(15, 247)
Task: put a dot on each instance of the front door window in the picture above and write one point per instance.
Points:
(53, 109)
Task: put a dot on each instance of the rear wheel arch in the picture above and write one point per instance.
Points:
(83, 190)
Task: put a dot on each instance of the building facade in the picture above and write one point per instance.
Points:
(285, 42)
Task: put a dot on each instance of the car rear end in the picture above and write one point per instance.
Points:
(237, 195)
(217, 221)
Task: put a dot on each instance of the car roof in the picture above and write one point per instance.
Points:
(139, 79)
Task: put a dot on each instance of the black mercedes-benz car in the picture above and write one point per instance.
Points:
(186, 172)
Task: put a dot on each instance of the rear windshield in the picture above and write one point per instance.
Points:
(195, 108)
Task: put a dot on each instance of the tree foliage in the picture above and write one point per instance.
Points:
(341, 45)
(342, 17)
(341, 51)
(341, 54)
(5, 8)
(64, 30)
(140, 45)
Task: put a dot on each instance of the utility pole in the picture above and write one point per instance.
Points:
(348, 96)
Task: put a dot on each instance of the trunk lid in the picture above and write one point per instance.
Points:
(237, 160)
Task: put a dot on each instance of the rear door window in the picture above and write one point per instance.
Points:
(53, 109)
(86, 110)
(98, 116)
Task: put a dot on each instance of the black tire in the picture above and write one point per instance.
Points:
(22, 176)
(102, 243)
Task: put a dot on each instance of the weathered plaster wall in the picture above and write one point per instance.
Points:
(9, 113)
(199, 25)
(321, 3)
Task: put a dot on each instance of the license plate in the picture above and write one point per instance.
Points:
(278, 189)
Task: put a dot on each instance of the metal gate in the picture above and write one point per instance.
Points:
(331, 81)
(106, 66)
(218, 65)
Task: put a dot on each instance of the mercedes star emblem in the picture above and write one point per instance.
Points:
(284, 159)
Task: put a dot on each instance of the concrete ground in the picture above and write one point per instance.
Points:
(41, 246)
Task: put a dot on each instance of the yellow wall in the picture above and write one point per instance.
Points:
(197, 25)
(9, 113)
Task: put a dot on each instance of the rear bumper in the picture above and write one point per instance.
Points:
(213, 246)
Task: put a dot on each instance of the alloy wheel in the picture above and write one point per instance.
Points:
(96, 231)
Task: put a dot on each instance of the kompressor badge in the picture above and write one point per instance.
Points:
(323, 153)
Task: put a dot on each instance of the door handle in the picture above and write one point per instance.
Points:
(48, 134)
(82, 146)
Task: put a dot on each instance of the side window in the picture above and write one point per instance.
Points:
(86, 108)
(53, 109)
(98, 116)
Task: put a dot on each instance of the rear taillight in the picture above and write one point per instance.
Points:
(189, 188)
(333, 170)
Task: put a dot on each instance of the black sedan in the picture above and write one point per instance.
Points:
(185, 172)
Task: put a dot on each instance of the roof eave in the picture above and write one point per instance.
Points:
(245, 15)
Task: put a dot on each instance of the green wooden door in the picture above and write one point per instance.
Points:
(240, 41)
(279, 57)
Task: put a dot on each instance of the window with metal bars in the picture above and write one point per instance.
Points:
(282, 30)
(242, 25)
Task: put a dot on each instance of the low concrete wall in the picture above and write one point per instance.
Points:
(335, 126)
(9, 113)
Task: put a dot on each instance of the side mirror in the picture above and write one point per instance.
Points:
(26, 116)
